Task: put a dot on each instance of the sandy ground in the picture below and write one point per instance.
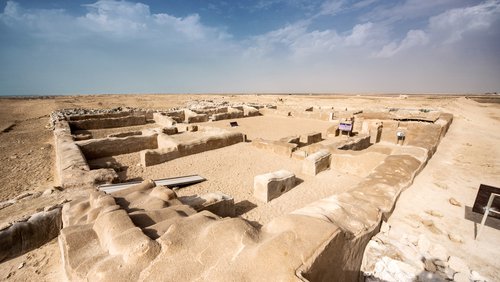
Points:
(468, 156)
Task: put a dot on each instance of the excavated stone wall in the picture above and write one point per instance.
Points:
(169, 148)
(71, 165)
(135, 233)
(112, 146)
(97, 123)
(321, 241)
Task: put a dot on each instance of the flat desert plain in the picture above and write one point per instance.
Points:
(469, 155)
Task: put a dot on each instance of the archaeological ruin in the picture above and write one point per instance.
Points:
(284, 194)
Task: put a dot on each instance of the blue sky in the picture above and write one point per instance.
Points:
(197, 46)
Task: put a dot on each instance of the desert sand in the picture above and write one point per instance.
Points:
(468, 156)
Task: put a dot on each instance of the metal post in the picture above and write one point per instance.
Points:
(486, 212)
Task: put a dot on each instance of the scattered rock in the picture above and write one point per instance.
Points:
(440, 263)
(429, 265)
(458, 265)
(388, 269)
(454, 202)
(455, 238)
(385, 227)
(449, 273)
(475, 276)
(434, 213)
(21, 265)
(47, 192)
(461, 277)
(431, 226)
(443, 186)
(429, 277)
(423, 244)
(438, 252)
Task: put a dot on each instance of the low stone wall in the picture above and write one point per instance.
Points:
(358, 214)
(125, 134)
(357, 144)
(105, 147)
(192, 117)
(358, 164)
(87, 124)
(210, 143)
(277, 147)
(163, 119)
(178, 116)
(389, 130)
(231, 113)
(71, 166)
(170, 149)
(250, 111)
(210, 111)
(310, 138)
(104, 115)
(30, 233)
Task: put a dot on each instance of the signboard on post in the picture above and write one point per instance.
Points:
(345, 126)
(482, 197)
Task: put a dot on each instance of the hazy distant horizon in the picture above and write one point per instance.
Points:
(88, 47)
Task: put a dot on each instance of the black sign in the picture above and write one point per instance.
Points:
(482, 197)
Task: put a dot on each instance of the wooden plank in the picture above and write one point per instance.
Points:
(169, 182)
(482, 197)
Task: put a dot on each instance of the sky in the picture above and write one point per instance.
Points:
(264, 46)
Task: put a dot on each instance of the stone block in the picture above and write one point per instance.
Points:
(278, 147)
(375, 132)
(250, 111)
(170, 130)
(271, 185)
(193, 117)
(163, 119)
(192, 128)
(317, 162)
(311, 138)
(217, 203)
(158, 156)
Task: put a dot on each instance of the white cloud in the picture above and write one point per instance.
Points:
(363, 3)
(331, 7)
(360, 34)
(413, 38)
(118, 19)
(453, 23)
(409, 9)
